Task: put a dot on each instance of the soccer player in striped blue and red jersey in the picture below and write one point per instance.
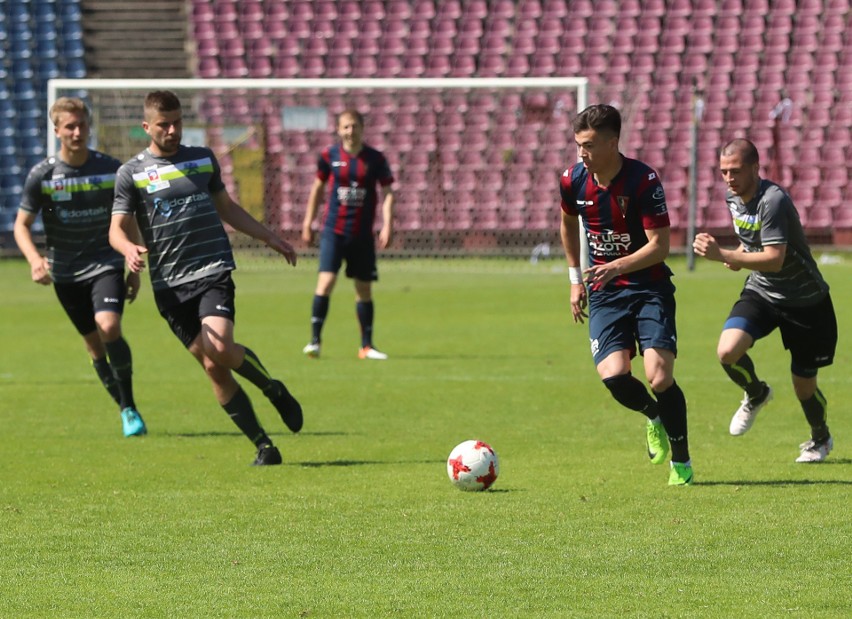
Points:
(352, 170)
(627, 286)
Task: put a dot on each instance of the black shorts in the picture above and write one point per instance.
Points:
(809, 333)
(359, 253)
(185, 306)
(82, 300)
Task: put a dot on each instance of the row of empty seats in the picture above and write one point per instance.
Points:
(650, 58)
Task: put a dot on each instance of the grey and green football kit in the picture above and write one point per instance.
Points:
(770, 218)
(795, 299)
(75, 206)
(172, 200)
(189, 253)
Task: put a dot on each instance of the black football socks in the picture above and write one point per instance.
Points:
(241, 412)
(121, 361)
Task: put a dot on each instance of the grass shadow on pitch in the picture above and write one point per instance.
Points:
(345, 463)
(775, 482)
(214, 433)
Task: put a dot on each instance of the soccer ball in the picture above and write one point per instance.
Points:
(473, 465)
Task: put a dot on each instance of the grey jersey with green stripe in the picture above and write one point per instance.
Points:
(771, 218)
(171, 198)
(75, 205)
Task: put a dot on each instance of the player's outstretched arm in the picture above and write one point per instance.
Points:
(238, 218)
(39, 268)
(122, 232)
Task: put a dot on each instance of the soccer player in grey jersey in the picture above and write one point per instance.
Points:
(177, 197)
(73, 192)
(784, 289)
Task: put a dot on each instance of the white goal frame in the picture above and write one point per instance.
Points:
(578, 84)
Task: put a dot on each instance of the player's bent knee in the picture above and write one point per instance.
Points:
(217, 372)
(728, 356)
(661, 382)
(109, 329)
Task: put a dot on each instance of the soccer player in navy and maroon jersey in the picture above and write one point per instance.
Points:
(352, 170)
(630, 295)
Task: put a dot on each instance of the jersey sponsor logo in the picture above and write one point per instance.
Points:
(609, 243)
(66, 215)
(659, 194)
(59, 190)
(352, 196)
(338, 164)
(110, 300)
(167, 207)
(585, 202)
(155, 183)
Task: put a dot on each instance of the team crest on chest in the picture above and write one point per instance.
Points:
(155, 182)
(623, 202)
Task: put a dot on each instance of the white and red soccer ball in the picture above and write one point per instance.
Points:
(473, 465)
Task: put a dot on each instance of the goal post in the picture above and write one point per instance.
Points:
(476, 161)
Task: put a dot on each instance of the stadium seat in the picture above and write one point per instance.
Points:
(366, 66)
(449, 9)
(421, 9)
(251, 11)
(517, 66)
(260, 67)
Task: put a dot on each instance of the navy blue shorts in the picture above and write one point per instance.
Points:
(82, 300)
(359, 253)
(809, 333)
(627, 318)
(184, 307)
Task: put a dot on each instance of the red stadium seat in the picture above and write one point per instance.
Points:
(260, 67)
(557, 9)
(208, 67)
(529, 9)
(421, 9)
(451, 9)
(491, 65)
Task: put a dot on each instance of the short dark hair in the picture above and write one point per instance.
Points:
(161, 101)
(599, 117)
(746, 149)
(358, 116)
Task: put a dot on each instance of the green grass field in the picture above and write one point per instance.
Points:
(361, 521)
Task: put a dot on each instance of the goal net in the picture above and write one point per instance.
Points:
(476, 161)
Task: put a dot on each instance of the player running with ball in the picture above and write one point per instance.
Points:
(630, 295)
